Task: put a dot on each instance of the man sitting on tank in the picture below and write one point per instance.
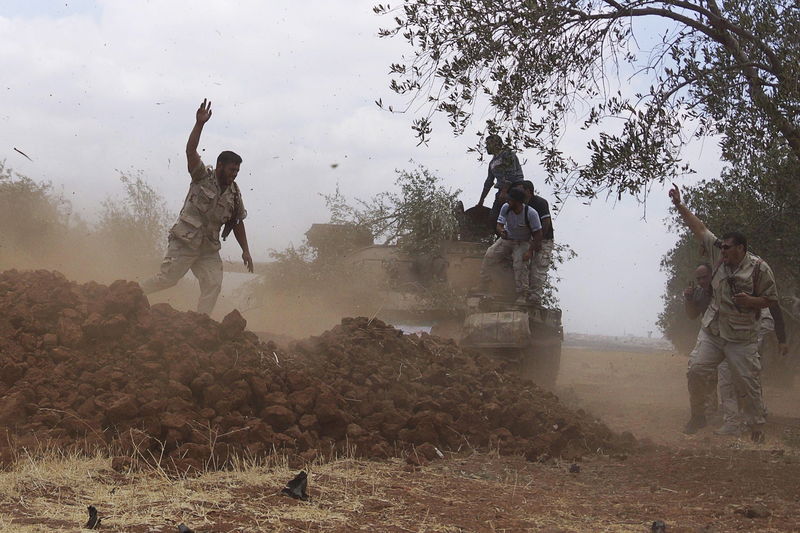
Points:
(520, 231)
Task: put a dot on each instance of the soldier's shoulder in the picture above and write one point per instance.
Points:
(509, 154)
(207, 172)
(759, 263)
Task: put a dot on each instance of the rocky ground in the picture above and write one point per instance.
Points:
(532, 462)
(693, 484)
(89, 366)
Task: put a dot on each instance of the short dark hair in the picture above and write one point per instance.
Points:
(737, 238)
(527, 185)
(494, 138)
(707, 266)
(228, 157)
(516, 194)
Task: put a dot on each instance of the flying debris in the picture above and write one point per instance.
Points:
(23, 153)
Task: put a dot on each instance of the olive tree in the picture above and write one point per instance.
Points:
(419, 217)
(716, 67)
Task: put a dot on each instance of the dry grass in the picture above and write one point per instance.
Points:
(56, 488)
(51, 493)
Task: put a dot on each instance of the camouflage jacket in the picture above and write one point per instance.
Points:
(206, 209)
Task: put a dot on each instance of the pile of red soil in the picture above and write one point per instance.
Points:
(88, 365)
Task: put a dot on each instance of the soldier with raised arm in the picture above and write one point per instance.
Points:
(214, 200)
(742, 284)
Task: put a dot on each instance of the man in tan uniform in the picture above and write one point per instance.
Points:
(742, 285)
(214, 200)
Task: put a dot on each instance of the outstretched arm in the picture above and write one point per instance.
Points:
(241, 237)
(487, 186)
(201, 117)
(694, 224)
(483, 195)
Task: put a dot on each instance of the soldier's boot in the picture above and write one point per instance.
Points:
(729, 429)
(695, 424)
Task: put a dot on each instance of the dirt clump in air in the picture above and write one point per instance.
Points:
(84, 366)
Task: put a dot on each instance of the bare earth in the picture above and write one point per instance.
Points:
(699, 483)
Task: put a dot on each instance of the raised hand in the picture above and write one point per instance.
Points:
(675, 194)
(203, 112)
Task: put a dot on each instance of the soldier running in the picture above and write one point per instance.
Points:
(214, 200)
(742, 284)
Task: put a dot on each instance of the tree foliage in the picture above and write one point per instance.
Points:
(717, 67)
(32, 215)
(135, 225)
(38, 229)
(418, 217)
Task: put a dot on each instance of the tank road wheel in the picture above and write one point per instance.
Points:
(541, 362)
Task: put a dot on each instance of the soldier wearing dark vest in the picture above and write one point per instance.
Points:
(214, 200)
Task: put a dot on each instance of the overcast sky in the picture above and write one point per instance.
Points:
(92, 88)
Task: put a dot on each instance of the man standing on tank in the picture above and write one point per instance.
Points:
(214, 200)
(504, 172)
(741, 286)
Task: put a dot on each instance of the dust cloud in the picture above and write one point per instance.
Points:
(297, 295)
(125, 238)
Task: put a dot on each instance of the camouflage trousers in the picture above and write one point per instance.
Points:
(728, 397)
(179, 259)
(540, 265)
(501, 250)
(743, 372)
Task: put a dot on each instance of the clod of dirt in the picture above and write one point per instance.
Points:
(574, 469)
(183, 528)
(94, 520)
(232, 325)
(658, 527)
(88, 366)
(755, 510)
(296, 487)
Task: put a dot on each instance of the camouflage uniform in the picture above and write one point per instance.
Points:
(731, 334)
(194, 239)
(727, 391)
(504, 170)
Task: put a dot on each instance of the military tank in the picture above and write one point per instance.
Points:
(437, 292)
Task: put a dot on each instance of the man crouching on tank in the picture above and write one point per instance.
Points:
(520, 231)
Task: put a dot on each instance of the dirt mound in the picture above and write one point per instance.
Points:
(89, 365)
